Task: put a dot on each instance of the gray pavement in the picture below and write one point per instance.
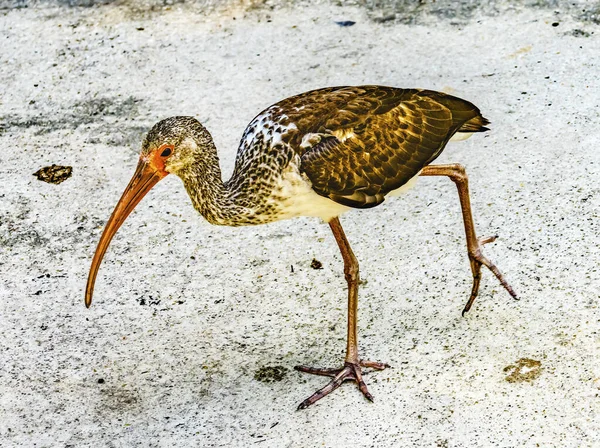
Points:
(194, 330)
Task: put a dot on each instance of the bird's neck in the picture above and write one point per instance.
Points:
(212, 198)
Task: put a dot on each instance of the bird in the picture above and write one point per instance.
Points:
(319, 154)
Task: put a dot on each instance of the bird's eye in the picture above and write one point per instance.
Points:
(166, 152)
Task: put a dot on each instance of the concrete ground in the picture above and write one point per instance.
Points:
(194, 331)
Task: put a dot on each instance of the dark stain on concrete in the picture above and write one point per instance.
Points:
(456, 12)
(591, 14)
(84, 3)
(12, 234)
(102, 115)
(106, 106)
(270, 374)
(524, 370)
(578, 33)
(15, 228)
(119, 399)
(459, 12)
(19, 228)
(316, 264)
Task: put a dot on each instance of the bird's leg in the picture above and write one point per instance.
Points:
(458, 175)
(352, 366)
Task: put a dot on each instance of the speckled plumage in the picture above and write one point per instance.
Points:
(315, 154)
(318, 153)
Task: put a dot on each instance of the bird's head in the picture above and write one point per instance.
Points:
(171, 146)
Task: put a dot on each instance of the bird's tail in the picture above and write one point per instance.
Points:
(475, 124)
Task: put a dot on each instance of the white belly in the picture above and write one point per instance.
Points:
(460, 136)
(294, 197)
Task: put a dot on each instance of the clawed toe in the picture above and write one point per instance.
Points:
(374, 365)
(487, 239)
(350, 372)
(477, 260)
(317, 371)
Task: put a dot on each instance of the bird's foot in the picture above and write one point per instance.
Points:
(350, 372)
(477, 259)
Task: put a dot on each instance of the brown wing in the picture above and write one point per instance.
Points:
(368, 141)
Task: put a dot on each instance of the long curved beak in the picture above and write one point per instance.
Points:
(145, 177)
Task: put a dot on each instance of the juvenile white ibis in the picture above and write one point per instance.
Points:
(320, 153)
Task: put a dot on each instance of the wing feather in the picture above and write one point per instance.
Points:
(390, 135)
(356, 144)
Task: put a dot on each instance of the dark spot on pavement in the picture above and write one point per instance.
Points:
(270, 374)
(119, 399)
(151, 301)
(107, 106)
(54, 174)
(524, 370)
(316, 264)
(591, 14)
(84, 3)
(579, 33)
(105, 120)
(345, 23)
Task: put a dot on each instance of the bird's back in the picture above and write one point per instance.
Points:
(354, 144)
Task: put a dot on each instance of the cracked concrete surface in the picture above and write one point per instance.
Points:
(194, 330)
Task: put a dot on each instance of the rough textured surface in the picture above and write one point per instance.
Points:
(187, 316)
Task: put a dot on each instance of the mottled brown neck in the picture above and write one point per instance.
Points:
(218, 202)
